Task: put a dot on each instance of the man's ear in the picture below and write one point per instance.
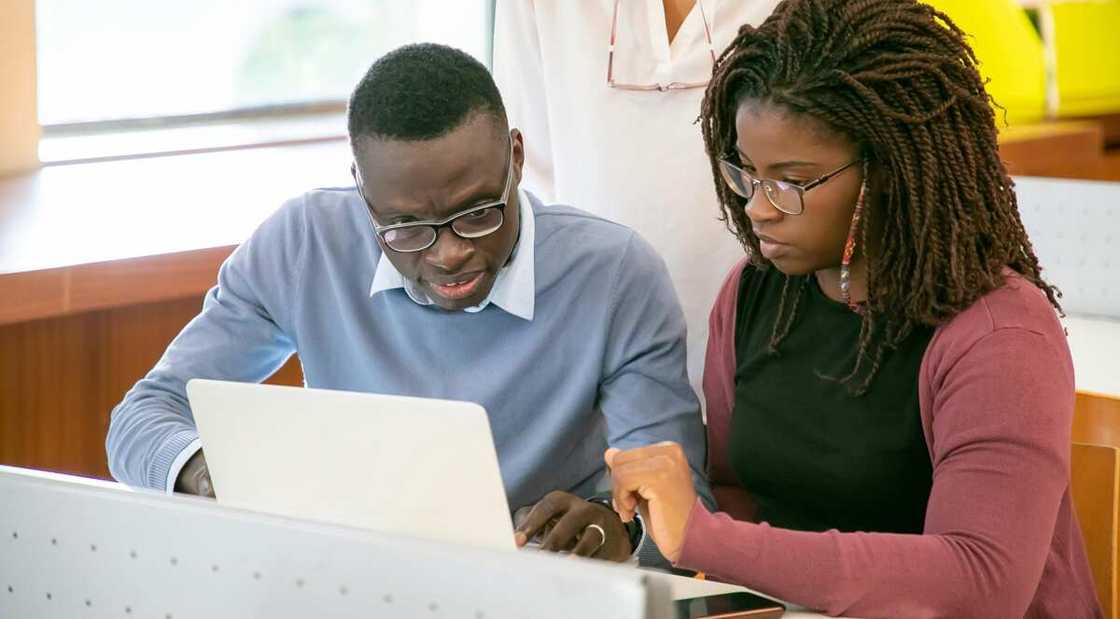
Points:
(518, 153)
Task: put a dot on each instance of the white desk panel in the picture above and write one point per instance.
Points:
(72, 548)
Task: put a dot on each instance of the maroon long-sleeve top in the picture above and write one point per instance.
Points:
(1000, 539)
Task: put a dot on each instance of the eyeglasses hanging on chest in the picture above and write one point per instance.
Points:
(660, 87)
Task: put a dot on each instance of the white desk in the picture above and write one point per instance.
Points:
(1095, 345)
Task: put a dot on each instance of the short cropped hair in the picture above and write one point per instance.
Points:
(421, 92)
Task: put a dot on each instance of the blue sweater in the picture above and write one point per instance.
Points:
(601, 363)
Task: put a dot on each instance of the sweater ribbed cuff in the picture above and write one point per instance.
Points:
(166, 455)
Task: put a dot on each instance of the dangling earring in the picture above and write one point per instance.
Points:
(850, 249)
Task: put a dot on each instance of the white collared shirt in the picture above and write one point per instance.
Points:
(636, 158)
(514, 289)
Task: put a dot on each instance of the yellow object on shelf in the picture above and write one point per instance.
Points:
(1010, 53)
(1086, 36)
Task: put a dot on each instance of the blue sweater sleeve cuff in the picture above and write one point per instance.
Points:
(168, 454)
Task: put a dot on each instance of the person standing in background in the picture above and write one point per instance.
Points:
(610, 91)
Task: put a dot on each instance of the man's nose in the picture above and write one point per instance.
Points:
(450, 251)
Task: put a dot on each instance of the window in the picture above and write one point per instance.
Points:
(128, 64)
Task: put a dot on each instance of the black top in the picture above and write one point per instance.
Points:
(814, 456)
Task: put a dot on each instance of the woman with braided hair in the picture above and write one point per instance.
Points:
(889, 388)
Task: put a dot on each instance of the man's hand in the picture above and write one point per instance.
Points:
(656, 482)
(194, 478)
(569, 522)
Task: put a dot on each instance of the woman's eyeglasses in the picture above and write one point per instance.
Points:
(788, 198)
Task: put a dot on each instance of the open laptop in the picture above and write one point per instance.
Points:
(412, 466)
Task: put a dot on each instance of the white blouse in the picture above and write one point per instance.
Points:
(636, 157)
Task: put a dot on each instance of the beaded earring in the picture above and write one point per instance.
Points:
(850, 248)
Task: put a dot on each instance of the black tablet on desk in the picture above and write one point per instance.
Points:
(740, 605)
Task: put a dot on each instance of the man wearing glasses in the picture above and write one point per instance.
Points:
(436, 276)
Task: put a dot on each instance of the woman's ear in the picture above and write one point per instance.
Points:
(878, 182)
(878, 194)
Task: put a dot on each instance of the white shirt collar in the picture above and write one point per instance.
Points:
(514, 289)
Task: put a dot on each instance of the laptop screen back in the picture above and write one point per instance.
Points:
(419, 467)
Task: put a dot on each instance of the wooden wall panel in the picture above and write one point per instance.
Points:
(61, 377)
(19, 119)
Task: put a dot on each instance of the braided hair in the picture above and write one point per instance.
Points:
(899, 80)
